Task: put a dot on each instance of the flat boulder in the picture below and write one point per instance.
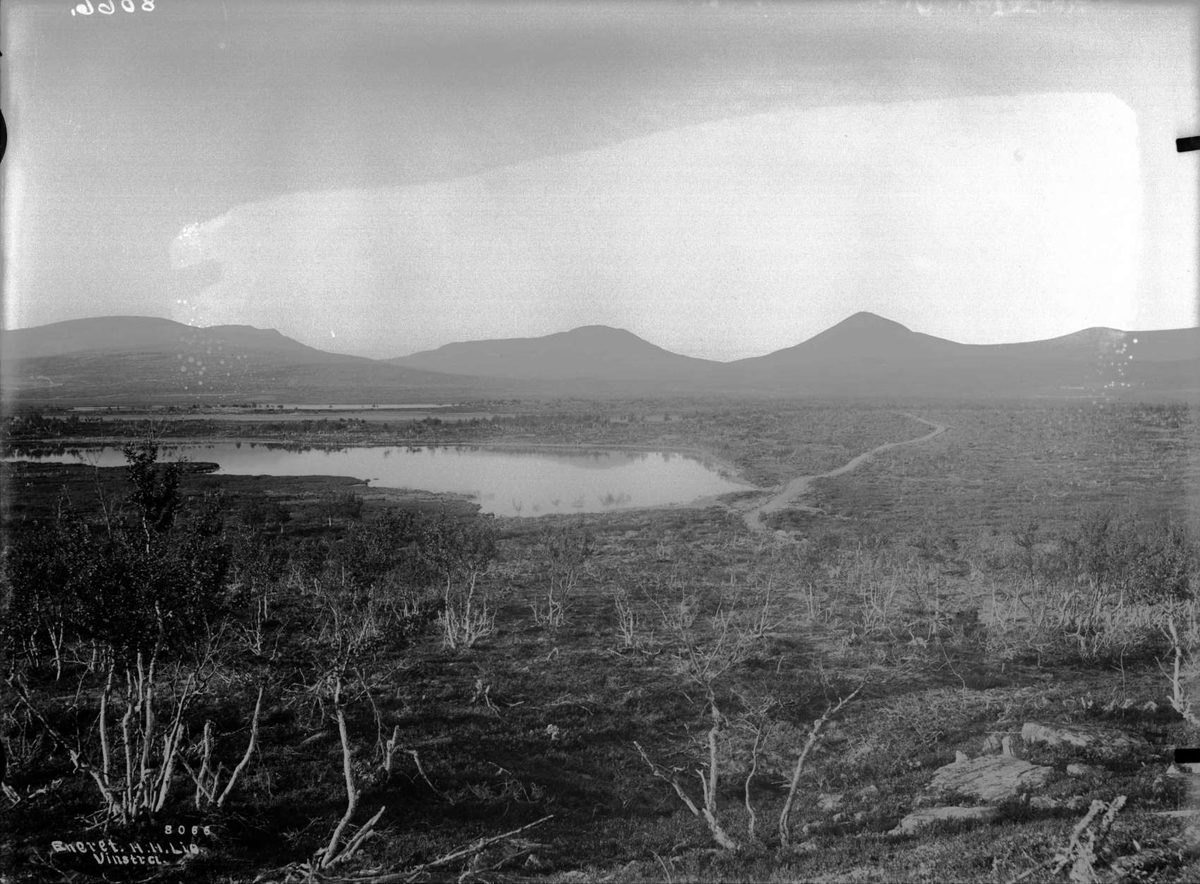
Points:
(1104, 742)
(920, 819)
(989, 778)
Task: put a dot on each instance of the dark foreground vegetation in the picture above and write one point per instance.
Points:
(294, 679)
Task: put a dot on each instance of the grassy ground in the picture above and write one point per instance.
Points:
(913, 593)
(1000, 465)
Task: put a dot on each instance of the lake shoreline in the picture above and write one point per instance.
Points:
(108, 441)
(727, 473)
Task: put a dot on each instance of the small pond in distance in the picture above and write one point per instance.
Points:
(506, 482)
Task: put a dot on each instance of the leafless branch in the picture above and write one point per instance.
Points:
(813, 737)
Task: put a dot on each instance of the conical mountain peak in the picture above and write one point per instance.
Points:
(864, 321)
(600, 352)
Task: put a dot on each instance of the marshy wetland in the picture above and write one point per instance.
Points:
(1018, 588)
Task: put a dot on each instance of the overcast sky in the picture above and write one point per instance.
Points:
(721, 179)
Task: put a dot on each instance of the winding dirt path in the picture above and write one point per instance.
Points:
(798, 486)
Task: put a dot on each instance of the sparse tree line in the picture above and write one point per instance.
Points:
(1116, 588)
(129, 631)
(35, 423)
(1103, 590)
(130, 626)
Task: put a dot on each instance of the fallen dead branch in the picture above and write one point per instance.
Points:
(306, 872)
(1082, 851)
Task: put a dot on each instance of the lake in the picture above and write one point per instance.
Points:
(287, 413)
(362, 406)
(379, 415)
(506, 482)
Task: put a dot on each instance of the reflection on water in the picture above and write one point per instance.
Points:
(289, 413)
(508, 482)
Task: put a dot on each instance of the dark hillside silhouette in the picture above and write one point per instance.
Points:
(865, 355)
(590, 352)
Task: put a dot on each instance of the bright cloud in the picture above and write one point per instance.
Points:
(1019, 217)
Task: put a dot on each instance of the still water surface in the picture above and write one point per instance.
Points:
(505, 482)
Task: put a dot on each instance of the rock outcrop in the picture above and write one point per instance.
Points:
(994, 778)
(989, 778)
(1106, 743)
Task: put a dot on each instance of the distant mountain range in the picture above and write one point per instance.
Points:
(145, 333)
(864, 355)
(591, 352)
(111, 358)
(118, 358)
(867, 354)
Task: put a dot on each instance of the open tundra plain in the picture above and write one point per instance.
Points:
(966, 656)
(599, 442)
